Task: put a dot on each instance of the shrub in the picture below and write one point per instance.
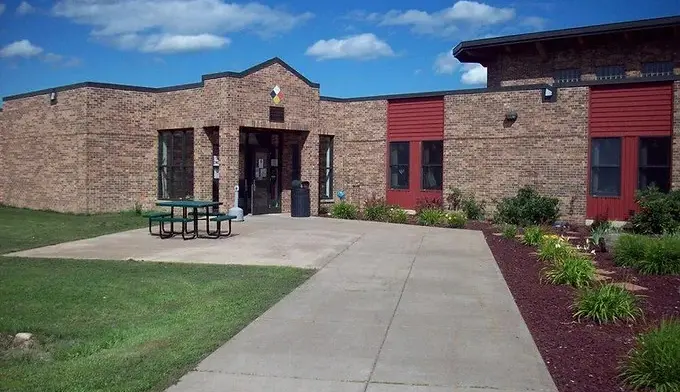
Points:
(426, 203)
(344, 210)
(509, 231)
(661, 256)
(527, 208)
(574, 270)
(658, 213)
(473, 209)
(432, 217)
(607, 304)
(554, 248)
(532, 236)
(397, 215)
(654, 362)
(454, 198)
(630, 249)
(598, 232)
(456, 219)
(376, 209)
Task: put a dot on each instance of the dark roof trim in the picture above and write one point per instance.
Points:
(565, 33)
(275, 60)
(438, 93)
(179, 87)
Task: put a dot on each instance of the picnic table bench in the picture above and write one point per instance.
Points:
(187, 217)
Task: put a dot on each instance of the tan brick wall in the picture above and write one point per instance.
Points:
(675, 175)
(546, 147)
(359, 143)
(44, 153)
(527, 67)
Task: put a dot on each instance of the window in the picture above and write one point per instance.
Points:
(610, 72)
(276, 114)
(175, 164)
(605, 170)
(326, 167)
(432, 158)
(657, 68)
(654, 163)
(567, 75)
(399, 157)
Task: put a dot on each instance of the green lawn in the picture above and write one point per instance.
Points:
(124, 326)
(24, 229)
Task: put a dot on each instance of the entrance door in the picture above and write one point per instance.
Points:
(260, 187)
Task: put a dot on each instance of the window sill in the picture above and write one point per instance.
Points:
(606, 196)
(326, 201)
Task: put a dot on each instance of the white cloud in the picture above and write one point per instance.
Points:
(23, 48)
(53, 58)
(133, 24)
(534, 22)
(2, 8)
(183, 43)
(445, 63)
(25, 8)
(473, 74)
(447, 20)
(361, 47)
(59, 60)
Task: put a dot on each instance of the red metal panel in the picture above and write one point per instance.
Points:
(631, 110)
(413, 120)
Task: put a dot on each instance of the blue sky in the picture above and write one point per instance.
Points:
(353, 48)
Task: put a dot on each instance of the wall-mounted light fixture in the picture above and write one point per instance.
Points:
(549, 94)
(53, 97)
(511, 116)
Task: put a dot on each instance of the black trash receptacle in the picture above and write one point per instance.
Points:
(299, 201)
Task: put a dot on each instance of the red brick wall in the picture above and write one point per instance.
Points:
(675, 176)
(527, 67)
(43, 155)
(546, 147)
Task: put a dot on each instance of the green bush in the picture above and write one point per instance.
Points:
(661, 257)
(397, 215)
(654, 362)
(428, 203)
(527, 208)
(574, 270)
(432, 217)
(454, 198)
(532, 236)
(509, 231)
(630, 249)
(344, 210)
(658, 213)
(474, 210)
(376, 209)
(456, 219)
(607, 304)
(554, 249)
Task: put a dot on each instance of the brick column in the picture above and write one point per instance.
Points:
(229, 164)
(202, 164)
(310, 167)
(675, 170)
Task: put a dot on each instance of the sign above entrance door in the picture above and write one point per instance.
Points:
(276, 94)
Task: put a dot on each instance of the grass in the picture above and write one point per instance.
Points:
(649, 255)
(575, 270)
(607, 304)
(124, 326)
(24, 229)
(654, 363)
(532, 236)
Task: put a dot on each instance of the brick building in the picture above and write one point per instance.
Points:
(587, 115)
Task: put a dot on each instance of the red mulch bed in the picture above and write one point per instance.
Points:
(581, 356)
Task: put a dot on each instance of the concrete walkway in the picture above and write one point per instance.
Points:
(396, 309)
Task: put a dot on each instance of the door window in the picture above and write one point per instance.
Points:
(399, 159)
(654, 163)
(605, 167)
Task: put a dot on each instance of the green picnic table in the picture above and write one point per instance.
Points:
(190, 214)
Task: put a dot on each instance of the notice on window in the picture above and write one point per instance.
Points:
(260, 163)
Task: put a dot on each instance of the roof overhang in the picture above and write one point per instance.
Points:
(482, 50)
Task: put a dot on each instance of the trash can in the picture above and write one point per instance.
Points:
(299, 200)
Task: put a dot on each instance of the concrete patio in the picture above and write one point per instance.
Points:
(393, 308)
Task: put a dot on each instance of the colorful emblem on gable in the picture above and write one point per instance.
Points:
(276, 94)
